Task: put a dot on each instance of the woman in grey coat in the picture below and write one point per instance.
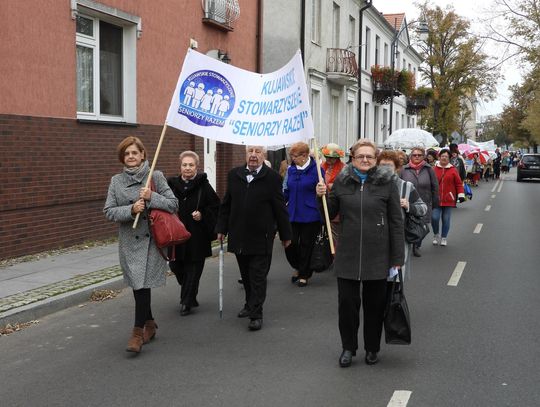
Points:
(371, 242)
(142, 265)
(410, 200)
(422, 176)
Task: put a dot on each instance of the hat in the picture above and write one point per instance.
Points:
(332, 150)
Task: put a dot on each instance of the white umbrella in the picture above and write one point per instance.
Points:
(410, 138)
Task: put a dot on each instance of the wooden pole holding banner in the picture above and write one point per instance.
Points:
(154, 161)
(325, 207)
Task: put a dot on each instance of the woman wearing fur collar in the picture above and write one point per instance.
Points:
(372, 241)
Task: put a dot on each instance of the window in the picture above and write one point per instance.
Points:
(396, 122)
(367, 63)
(402, 121)
(352, 31)
(397, 61)
(335, 26)
(224, 12)
(105, 65)
(316, 21)
(335, 117)
(404, 64)
(385, 54)
(385, 123)
(316, 110)
(409, 68)
(349, 137)
(377, 46)
(376, 124)
(366, 119)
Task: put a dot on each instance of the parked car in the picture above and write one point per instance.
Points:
(528, 167)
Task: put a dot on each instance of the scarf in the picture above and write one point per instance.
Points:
(417, 167)
(362, 175)
(138, 173)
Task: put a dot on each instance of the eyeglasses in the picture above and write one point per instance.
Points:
(417, 155)
(361, 157)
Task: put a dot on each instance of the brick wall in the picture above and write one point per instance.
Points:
(54, 175)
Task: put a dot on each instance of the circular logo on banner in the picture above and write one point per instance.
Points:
(206, 98)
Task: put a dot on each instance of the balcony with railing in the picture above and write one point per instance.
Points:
(341, 67)
(221, 13)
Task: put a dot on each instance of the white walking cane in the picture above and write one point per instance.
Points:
(221, 255)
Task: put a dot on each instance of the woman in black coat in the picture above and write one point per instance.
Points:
(198, 206)
(371, 242)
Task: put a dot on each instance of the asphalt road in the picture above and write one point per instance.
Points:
(475, 343)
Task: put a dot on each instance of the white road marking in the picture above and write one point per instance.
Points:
(478, 228)
(500, 186)
(493, 196)
(495, 186)
(456, 275)
(488, 208)
(400, 398)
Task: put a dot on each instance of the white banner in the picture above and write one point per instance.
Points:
(232, 105)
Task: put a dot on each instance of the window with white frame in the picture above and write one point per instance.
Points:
(336, 10)
(367, 59)
(376, 124)
(350, 136)
(316, 111)
(105, 64)
(385, 54)
(352, 31)
(385, 124)
(335, 117)
(316, 21)
(377, 49)
(366, 119)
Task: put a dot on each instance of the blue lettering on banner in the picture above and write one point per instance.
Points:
(269, 107)
(269, 128)
(279, 84)
(207, 98)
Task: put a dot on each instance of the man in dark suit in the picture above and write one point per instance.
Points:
(252, 208)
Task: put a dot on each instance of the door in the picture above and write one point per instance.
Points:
(210, 161)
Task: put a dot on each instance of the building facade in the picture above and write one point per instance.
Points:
(340, 41)
(81, 77)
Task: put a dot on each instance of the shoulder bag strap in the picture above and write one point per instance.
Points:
(198, 198)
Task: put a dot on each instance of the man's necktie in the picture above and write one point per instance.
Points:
(249, 172)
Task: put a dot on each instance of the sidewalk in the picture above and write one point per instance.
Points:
(30, 290)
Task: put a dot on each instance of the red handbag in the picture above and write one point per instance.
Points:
(167, 230)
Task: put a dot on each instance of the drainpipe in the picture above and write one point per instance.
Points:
(361, 18)
(303, 30)
(260, 35)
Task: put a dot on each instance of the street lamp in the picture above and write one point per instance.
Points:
(423, 33)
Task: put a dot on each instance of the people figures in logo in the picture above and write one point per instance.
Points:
(207, 100)
(216, 100)
(224, 105)
(197, 98)
(188, 93)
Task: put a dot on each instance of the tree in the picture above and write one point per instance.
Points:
(455, 67)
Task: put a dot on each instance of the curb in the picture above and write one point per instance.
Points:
(55, 303)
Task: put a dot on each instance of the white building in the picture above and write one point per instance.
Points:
(330, 36)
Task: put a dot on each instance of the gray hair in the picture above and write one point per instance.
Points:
(263, 148)
(189, 153)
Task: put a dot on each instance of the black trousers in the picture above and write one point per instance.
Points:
(143, 309)
(188, 275)
(299, 251)
(374, 303)
(254, 269)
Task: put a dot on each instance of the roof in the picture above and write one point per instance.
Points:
(395, 20)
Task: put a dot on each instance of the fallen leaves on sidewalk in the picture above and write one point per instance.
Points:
(102, 295)
(16, 327)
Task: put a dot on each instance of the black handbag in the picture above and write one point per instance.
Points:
(397, 322)
(415, 228)
(321, 256)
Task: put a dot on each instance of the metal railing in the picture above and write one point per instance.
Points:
(342, 61)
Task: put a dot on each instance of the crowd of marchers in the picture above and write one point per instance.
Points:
(368, 199)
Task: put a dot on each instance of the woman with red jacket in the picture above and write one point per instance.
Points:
(450, 191)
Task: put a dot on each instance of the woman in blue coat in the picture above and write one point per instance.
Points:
(301, 198)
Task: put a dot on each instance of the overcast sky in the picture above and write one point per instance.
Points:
(473, 10)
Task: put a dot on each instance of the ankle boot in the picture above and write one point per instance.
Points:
(149, 333)
(136, 341)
